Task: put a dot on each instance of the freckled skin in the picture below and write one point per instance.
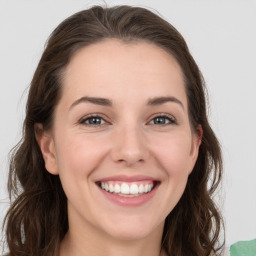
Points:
(127, 142)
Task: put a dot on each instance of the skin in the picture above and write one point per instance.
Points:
(127, 141)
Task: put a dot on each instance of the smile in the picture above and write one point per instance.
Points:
(127, 189)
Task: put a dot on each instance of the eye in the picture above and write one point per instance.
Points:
(163, 120)
(93, 120)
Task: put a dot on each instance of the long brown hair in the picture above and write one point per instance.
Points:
(37, 219)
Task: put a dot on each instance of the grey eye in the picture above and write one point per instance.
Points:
(94, 120)
(162, 120)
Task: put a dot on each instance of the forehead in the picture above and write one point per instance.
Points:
(113, 68)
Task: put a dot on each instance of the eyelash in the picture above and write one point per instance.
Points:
(90, 117)
(170, 120)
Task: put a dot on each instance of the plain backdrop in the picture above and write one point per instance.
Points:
(222, 38)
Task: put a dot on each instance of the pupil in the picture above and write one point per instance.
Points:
(95, 120)
(160, 120)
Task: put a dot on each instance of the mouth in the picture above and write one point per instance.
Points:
(127, 189)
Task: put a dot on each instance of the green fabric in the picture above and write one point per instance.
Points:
(243, 248)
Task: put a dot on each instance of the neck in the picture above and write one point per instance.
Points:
(114, 248)
(89, 241)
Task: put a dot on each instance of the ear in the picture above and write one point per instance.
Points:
(47, 146)
(196, 142)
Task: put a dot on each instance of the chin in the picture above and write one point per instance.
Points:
(129, 234)
(133, 228)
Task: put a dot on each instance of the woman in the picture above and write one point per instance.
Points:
(117, 155)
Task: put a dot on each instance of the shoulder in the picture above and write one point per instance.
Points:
(247, 248)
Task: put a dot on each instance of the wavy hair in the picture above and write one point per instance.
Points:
(37, 219)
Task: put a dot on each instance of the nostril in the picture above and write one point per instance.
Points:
(129, 148)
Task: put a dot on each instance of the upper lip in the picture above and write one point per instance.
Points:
(127, 178)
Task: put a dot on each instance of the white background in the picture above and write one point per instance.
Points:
(222, 38)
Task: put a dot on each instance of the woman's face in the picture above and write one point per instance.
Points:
(121, 140)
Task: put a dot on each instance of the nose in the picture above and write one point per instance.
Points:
(129, 146)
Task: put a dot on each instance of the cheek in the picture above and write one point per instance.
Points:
(77, 159)
(174, 154)
(78, 156)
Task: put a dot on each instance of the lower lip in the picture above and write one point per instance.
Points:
(130, 201)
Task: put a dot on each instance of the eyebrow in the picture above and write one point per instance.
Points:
(106, 102)
(161, 100)
(93, 100)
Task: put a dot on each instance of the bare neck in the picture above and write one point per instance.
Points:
(96, 244)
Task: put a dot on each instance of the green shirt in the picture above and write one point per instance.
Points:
(243, 248)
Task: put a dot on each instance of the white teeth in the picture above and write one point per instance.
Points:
(134, 189)
(111, 188)
(141, 188)
(127, 189)
(117, 189)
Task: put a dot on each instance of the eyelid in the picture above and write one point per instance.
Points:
(161, 114)
(100, 115)
(108, 121)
